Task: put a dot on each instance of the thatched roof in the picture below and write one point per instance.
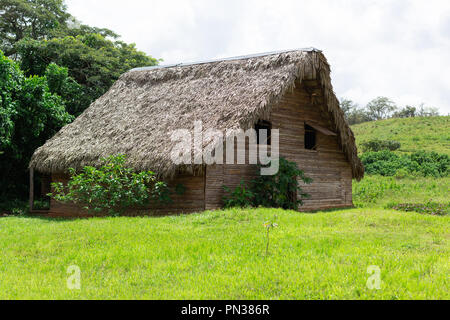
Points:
(135, 116)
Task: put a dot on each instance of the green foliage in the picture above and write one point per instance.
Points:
(387, 163)
(65, 66)
(283, 189)
(13, 207)
(378, 145)
(30, 114)
(278, 191)
(11, 78)
(377, 109)
(111, 188)
(401, 173)
(353, 113)
(35, 19)
(240, 197)
(380, 108)
(411, 112)
(72, 94)
(38, 33)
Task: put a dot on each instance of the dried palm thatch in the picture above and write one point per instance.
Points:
(136, 116)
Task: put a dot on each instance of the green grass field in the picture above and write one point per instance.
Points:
(429, 134)
(221, 255)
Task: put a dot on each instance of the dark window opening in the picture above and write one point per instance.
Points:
(310, 138)
(41, 187)
(264, 125)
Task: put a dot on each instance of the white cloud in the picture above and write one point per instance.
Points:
(397, 48)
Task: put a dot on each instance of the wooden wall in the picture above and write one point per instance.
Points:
(327, 166)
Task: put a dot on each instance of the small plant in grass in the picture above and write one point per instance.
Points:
(269, 226)
(111, 188)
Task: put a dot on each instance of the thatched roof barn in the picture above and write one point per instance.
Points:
(292, 89)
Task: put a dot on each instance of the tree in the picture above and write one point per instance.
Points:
(92, 60)
(30, 114)
(423, 111)
(380, 108)
(407, 112)
(353, 113)
(35, 19)
(347, 106)
(10, 79)
(40, 32)
(60, 83)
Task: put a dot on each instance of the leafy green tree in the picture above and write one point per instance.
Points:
(36, 19)
(347, 106)
(407, 112)
(30, 114)
(380, 108)
(11, 78)
(353, 113)
(72, 93)
(423, 111)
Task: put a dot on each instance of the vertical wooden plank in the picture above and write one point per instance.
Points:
(205, 167)
(31, 189)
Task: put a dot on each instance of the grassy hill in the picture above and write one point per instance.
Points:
(430, 134)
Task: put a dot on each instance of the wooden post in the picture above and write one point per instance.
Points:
(31, 189)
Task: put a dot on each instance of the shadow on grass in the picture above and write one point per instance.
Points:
(328, 210)
(68, 218)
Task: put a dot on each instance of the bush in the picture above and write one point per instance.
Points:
(13, 207)
(379, 145)
(111, 188)
(278, 191)
(241, 196)
(401, 174)
(387, 163)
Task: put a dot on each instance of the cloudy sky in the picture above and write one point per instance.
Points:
(399, 48)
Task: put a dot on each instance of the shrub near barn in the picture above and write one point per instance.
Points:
(112, 188)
